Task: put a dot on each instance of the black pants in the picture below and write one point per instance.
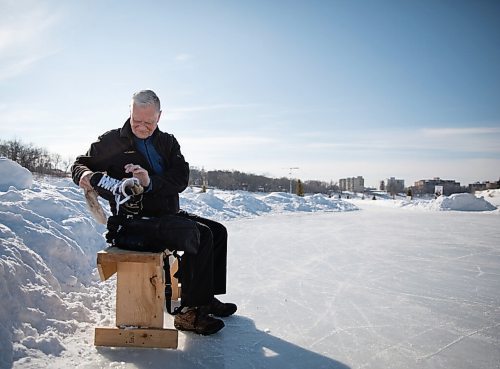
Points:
(214, 236)
(203, 264)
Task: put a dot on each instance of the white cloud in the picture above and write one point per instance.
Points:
(463, 139)
(182, 57)
(460, 131)
(234, 151)
(17, 66)
(210, 107)
(451, 140)
(224, 143)
(24, 31)
(176, 114)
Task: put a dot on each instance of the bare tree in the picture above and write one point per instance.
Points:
(33, 158)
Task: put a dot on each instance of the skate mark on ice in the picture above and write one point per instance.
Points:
(459, 339)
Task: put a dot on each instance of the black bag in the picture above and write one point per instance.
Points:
(153, 234)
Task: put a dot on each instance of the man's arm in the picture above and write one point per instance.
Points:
(80, 172)
(85, 165)
(176, 176)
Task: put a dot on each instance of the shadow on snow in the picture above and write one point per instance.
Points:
(239, 345)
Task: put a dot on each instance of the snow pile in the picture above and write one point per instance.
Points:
(492, 196)
(462, 202)
(224, 205)
(47, 252)
(12, 174)
(456, 202)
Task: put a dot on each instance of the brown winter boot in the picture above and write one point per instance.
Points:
(197, 320)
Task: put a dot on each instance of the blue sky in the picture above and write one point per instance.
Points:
(409, 89)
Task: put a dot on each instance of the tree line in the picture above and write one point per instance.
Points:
(236, 180)
(35, 159)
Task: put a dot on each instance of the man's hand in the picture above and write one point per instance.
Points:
(85, 181)
(140, 173)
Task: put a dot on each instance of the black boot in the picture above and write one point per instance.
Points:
(221, 309)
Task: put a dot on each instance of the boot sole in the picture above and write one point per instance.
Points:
(205, 332)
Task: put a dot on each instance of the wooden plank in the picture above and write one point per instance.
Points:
(107, 259)
(140, 294)
(176, 292)
(106, 270)
(136, 337)
(115, 255)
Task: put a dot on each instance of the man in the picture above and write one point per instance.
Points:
(141, 151)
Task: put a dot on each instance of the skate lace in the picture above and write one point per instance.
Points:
(118, 187)
(108, 183)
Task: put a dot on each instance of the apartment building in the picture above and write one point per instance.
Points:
(428, 186)
(393, 185)
(352, 184)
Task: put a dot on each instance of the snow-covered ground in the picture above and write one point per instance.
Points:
(320, 282)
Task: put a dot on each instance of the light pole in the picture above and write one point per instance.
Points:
(290, 174)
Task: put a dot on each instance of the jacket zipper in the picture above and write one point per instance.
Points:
(148, 157)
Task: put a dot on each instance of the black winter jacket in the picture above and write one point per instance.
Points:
(115, 148)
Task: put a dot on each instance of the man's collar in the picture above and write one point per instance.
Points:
(126, 130)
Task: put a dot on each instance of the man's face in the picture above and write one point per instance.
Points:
(144, 120)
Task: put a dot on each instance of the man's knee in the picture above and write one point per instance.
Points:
(219, 231)
(206, 236)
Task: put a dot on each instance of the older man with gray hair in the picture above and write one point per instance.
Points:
(140, 170)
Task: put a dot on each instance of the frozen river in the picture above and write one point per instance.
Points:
(378, 288)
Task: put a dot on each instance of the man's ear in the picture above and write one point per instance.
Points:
(159, 115)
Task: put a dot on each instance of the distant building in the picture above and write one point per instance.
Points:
(353, 184)
(394, 185)
(382, 186)
(483, 186)
(428, 186)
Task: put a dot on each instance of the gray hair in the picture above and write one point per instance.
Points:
(146, 97)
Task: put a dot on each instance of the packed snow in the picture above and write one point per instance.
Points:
(13, 174)
(319, 281)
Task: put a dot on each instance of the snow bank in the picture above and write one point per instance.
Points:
(47, 258)
(456, 202)
(225, 205)
(462, 202)
(12, 174)
(492, 196)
